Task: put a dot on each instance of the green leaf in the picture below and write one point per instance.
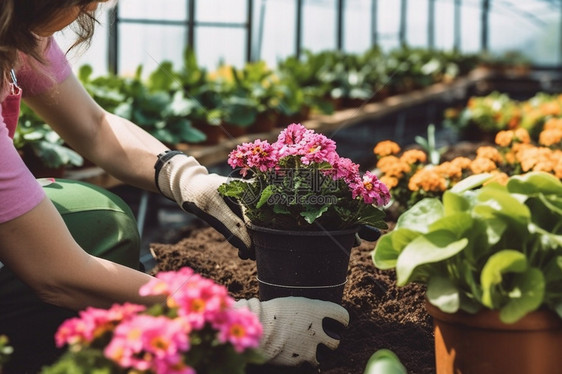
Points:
(471, 182)
(312, 213)
(427, 249)
(372, 216)
(264, 196)
(443, 293)
(385, 255)
(534, 183)
(85, 72)
(421, 215)
(390, 245)
(498, 265)
(530, 285)
(384, 361)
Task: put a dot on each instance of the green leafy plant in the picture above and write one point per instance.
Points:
(34, 138)
(485, 245)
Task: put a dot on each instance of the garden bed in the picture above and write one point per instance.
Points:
(381, 314)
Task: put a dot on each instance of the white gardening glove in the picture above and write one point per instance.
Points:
(182, 179)
(293, 328)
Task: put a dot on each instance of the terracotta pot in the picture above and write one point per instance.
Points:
(310, 264)
(482, 344)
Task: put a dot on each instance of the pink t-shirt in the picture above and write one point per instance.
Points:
(19, 190)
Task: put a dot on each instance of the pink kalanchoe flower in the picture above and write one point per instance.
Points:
(259, 154)
(241, 328)
(94, 322)
(144, 340)
(344, 168)
(370, 189)
(199, 300)
(318, 148)
(292, 135)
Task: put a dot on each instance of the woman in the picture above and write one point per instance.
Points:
(68, 245)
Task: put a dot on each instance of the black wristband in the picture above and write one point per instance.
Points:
(162, 158)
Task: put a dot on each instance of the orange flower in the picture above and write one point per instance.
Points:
(389, 181)
(490, 153)
(522, 135)
(510, 157)
(558, 169)
(504, 138)
(449, 170)
(498, 177)
(462, 162)
(550, 108)
(427, 179)
(553, 123)
(534, 157)
(392, 166)
(550, 137)
(386, 148)
(482, 165)
(413, 155)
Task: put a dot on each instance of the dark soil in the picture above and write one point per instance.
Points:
(382, 315)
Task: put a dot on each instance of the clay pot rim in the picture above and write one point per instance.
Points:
(541, 319)
(269, 230)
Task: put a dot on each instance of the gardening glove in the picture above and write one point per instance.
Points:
(294, 328)
(182, 179)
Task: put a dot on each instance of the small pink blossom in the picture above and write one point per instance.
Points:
(241, 328)
(144, 340)
(344, 168)
(292, 135)
(318, 148)
(94, 322)
(259, 154)
(370, 189)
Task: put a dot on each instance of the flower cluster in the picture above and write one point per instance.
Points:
(300, 179)
(497, 111)
(198, 328)
(410, 178)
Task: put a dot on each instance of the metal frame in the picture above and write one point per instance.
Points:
(191, 25)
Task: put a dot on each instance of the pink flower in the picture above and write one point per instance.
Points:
(259, 154)
(344, 168)
(317, 148)
(370, 189)
(292, 135)
(242, 329)
(144, 340)
(94, 322)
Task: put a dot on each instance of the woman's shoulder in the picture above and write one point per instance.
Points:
(36, 78)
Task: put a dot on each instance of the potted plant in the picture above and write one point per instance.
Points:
(491, 258)
(198, 330)
(304, 205)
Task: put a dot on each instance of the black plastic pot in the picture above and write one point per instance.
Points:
(310, 264)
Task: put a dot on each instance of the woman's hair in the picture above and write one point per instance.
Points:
(18, 19)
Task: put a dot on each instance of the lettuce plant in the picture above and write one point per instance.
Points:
(485, 245)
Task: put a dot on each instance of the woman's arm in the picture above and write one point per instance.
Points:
(38, 247)
(118, 146)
